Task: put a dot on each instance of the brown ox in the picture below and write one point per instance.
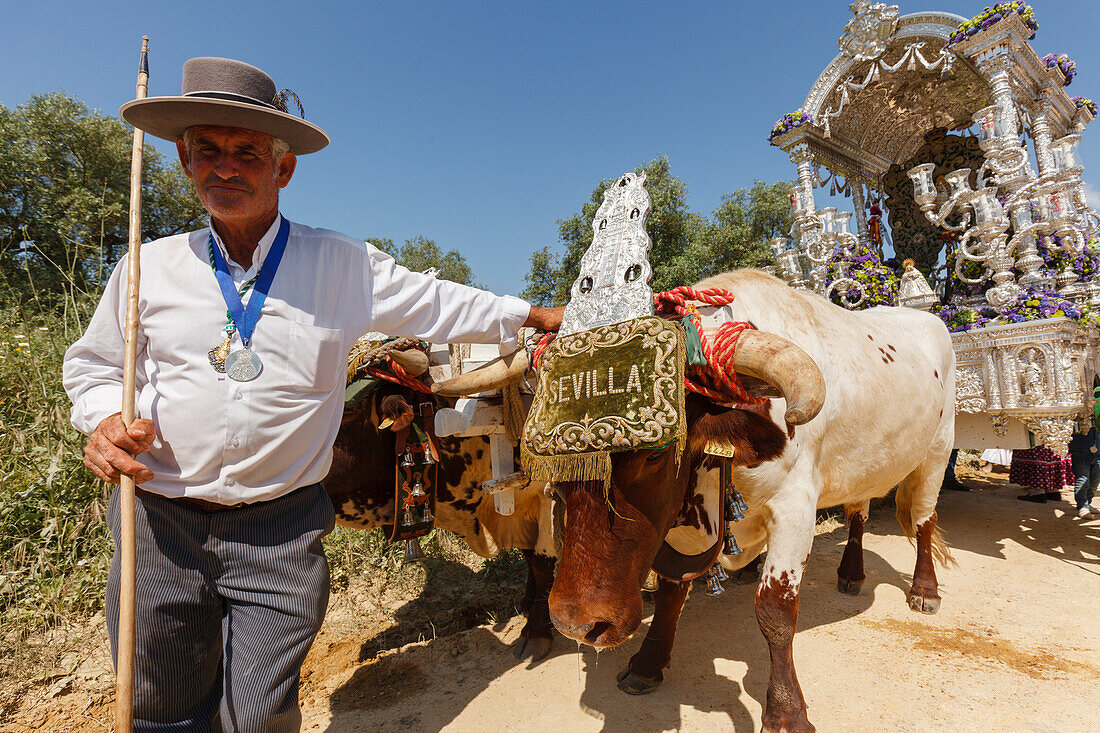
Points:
(883, 383)
(361, 486)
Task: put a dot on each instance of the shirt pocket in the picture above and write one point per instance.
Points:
(316, 357)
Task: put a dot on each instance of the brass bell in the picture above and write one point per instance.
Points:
(418, 488)
(729, 544)
(650, 583)
(741, 503)
(733, 508)
(714, 586)
(413, 553)
(427, 516)
(407, 517)
(407, 459)
(719, 572)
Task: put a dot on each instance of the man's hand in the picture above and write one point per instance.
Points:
(545, 319)
(110, 449)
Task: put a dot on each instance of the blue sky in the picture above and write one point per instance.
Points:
(481, 124)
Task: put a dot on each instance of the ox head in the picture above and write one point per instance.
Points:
(612, 534)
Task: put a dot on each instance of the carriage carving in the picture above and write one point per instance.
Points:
(961, 138)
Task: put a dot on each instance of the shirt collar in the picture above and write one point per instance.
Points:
(257, 257)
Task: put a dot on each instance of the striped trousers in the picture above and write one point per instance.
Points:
(228, 604)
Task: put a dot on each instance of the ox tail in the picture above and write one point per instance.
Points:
(941, 552)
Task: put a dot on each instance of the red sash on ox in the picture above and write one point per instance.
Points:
(417, 474)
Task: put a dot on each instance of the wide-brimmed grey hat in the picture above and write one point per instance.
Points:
(226, 93)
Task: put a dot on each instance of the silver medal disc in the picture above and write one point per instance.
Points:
(243, 365)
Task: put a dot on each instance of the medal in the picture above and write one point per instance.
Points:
(219, 353)
(243, 365)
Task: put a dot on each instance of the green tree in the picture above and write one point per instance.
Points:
(420, 253)
(670, 225)
(65, 191)
(736, 235)
(686, 246)
(542, 279)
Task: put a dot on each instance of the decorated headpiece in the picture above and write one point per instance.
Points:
(613, 380)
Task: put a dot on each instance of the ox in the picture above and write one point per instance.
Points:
(881, 384)
(361, 486)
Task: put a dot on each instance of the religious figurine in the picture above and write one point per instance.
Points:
(915, 292)
(1033, 381)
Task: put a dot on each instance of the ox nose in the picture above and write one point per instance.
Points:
(598, 622)
(589, 633)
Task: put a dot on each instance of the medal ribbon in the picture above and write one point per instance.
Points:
(246, 318)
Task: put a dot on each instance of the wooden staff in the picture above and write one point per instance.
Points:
(124, 677)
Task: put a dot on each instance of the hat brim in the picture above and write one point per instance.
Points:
(168, 117)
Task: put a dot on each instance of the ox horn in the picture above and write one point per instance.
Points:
(413, 360)
(784, 365)
(491, 375)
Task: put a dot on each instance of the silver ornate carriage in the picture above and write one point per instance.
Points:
(923, 115)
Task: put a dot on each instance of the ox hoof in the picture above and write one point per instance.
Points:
(633, 684)
(850, 587)
(923, 604)
(531, 648)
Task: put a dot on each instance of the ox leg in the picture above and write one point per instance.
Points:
(850, 573)
(643, 673)
(915, 501)
(538, 633)
(924, 596)
(790, 536)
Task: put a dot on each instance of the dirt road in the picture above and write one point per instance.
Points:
(1014, 647)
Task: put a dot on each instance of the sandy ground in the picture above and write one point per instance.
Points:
(1014, 647)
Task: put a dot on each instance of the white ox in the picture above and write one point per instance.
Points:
(886, 419)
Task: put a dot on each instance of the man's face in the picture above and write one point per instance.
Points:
(236, 177)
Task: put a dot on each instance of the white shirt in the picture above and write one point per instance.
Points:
(231, 442)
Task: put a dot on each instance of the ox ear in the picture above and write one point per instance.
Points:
(744, 437)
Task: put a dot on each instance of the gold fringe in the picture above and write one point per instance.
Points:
(578, 467)
(681, 361)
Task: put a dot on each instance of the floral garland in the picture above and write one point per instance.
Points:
(989, 16)
(960, 318)
(1063, 62)
(1031, 305)
(789, 121)
(880, 280)
(1085, 263)
(1086, 103)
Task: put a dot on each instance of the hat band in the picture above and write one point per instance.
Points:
(231, 97)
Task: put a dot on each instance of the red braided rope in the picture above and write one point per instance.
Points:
(718, 381)
(394, 372)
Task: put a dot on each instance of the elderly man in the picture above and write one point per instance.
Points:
(245, 328)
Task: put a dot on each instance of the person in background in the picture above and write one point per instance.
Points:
(950, 480)
(1084, 450)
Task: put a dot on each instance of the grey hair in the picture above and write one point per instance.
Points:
(279, 147)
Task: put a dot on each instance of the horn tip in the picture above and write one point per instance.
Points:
(800, 415)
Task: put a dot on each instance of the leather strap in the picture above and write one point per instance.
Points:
(671, 564)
